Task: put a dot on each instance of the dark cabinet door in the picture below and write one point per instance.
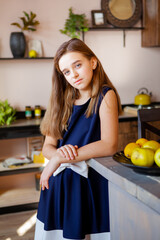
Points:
(151, 23)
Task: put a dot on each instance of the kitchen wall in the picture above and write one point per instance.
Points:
(25, 82)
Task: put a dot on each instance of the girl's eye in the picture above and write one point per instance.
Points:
(78, 65)
(66, 73)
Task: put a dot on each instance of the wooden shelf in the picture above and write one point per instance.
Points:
(115, 29)
(27, 168)
(19, 196)
(110, 28)
(26, 58)
(21, 128)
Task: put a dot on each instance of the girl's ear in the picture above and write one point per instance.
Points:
(94, 62)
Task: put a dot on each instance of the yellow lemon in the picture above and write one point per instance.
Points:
(129, 149)
(154, 145)
(143, 157)
(141, 141)
(32, 54)
(157, 157)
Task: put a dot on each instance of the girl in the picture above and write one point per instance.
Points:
(80, 123)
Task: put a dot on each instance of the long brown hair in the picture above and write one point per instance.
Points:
(63, 94)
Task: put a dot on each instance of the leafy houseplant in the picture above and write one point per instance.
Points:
(17, 39)
(7, 113)
(75, 24)
(29, 22)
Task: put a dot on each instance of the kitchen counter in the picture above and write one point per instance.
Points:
(124, 116)
(30, 128)
(134, 201)
(21, 128)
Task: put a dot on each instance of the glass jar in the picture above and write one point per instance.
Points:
(28, 112)
(37, 111)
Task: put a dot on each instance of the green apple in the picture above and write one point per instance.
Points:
(32, 53)
(154, 145)
(142, 157)
(157, 157)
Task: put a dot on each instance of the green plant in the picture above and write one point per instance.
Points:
(75, 24)
(7, 113)
(28, 22)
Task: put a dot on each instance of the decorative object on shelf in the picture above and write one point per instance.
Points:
(17, 44)
(28, 112)
(98, 18)
(38, 157)
(35, 45)
(122, 13)
(75, 25)
(32, 54)
(37, 178)
(28, 22)
(7, 113)
(34, 144)
(17, 39)
(37, 111)
(13, 162)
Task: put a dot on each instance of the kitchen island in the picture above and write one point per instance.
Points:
(134, 201)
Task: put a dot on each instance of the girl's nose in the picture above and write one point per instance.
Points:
(74, 73)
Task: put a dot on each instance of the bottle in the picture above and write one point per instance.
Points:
(28, 112)
(37, 111)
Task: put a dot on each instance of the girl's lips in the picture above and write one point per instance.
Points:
(78, 81)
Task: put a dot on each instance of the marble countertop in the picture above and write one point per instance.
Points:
(143, 187)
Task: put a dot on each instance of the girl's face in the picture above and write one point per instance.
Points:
(78, 70)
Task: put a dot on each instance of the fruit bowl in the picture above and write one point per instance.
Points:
(122, 159)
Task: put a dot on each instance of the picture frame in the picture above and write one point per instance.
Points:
(99, 18)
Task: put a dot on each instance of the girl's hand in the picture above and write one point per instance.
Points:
(50, 168)
(68, 151)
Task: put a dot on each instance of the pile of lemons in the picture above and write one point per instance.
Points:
(143, 152)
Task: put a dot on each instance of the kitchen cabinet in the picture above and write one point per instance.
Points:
(151, 22)
(18, 185)
(134, 201)
(128, 132)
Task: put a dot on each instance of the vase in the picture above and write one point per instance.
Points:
(18, 44)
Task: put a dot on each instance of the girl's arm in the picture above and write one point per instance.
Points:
(68, 154)
(109, 136)
(109, 131)
(50, 149)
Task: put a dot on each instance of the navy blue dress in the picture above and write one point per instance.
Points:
(76, 207)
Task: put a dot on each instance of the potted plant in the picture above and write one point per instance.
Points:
(17, 39)
(75, 25)
(7, 113)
